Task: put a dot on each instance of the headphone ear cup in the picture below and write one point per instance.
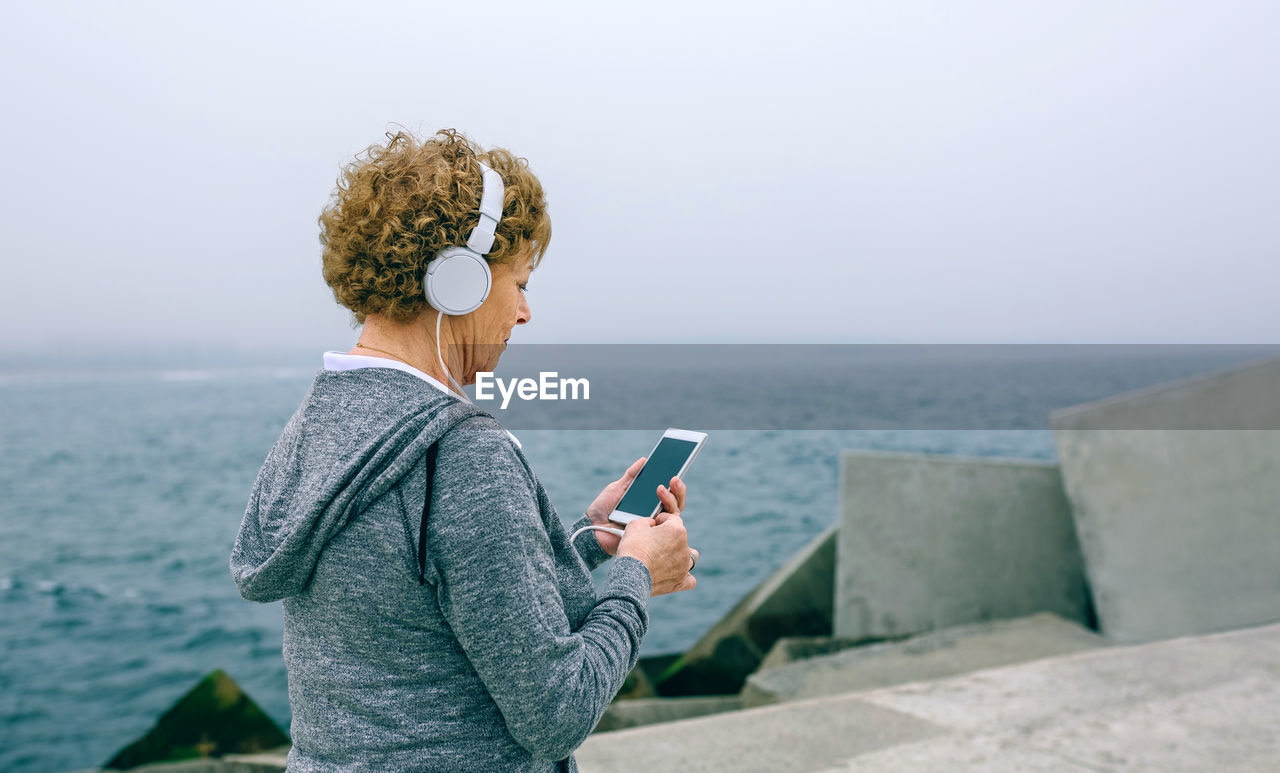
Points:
(457, 281)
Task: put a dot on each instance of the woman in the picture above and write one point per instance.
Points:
(478, 641)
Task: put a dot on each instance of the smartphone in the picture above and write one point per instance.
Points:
(671, 457)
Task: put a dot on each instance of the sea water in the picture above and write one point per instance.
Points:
(121, 494)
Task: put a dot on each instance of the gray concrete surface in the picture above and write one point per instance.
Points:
(1175, 492)
(789, 649)
(264, 762)
(952, 651)
(1208, 703)
(928, 542)
(650, 711)
(796, 600)
(272, 761)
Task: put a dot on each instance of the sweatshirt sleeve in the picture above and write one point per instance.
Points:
(587, 545)
(496, 585)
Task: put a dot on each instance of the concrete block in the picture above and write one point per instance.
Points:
(265, 762)
(650, 711)
(1194, 704)
(1176, 496)
(807, 735)
(232, 763)
(790, 649)
(796, 600)
(928, 542)
(934, 655)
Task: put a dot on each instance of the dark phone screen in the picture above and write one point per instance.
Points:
(659, 469)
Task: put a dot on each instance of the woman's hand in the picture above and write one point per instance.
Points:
(662, 545)
(672, 502)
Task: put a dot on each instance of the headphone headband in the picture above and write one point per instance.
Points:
(457, 279)
(491, 193)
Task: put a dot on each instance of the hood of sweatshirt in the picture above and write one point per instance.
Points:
(355, 436)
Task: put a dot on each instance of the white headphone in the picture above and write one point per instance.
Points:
(457, 279)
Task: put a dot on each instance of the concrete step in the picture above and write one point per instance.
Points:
(649, 711)
(1200, 703)
(262, 762)
(953, 651)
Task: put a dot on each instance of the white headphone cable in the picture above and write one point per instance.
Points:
(440, 356)
(609, 529)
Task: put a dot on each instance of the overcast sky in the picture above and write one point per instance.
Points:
(716, 172)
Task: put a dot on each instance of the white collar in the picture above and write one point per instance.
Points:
(344, 361)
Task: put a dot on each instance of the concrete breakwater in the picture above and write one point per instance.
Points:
(1161, 520)
(1193, 704)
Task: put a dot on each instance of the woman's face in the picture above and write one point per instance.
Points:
(492, 323)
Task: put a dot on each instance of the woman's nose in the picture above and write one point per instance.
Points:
(524, 312)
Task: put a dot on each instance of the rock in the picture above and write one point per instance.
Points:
(796, 600)
(213, 719)
(952, 651)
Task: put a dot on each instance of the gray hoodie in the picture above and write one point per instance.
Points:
(494, 654)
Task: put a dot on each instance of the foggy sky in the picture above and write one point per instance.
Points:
(716, 172)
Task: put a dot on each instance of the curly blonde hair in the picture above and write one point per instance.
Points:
(399, 204)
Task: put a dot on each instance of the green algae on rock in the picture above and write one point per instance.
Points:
(215, 718)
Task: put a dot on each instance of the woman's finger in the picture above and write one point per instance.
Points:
(633, 526)
(679, 489)
(668, 500)
(633, 470)
(688, 582)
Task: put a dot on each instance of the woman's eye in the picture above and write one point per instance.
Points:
(524, 288)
